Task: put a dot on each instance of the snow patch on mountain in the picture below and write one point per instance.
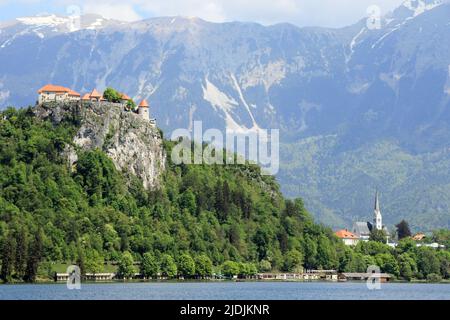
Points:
(63, 24)
(221, 101)
(387, 34)
(420, 6)
(51, 20)
(241, 96)
(218, 99)
(415, 8)
(96, 24)
(354, 42)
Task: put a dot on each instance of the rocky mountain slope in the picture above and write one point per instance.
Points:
(375, 92)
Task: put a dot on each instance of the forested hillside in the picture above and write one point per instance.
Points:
(202, 219)
(92, 214)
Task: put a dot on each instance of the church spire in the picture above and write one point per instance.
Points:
(377, 201)
(377, 219)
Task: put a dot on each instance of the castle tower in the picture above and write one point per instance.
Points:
(377, 219)
(143, 110)
(95, 95)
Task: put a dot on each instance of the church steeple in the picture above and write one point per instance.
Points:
(377, 201)
(377, 219)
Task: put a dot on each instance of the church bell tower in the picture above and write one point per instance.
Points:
(377, 219)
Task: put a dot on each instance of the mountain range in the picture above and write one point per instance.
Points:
(359, 108)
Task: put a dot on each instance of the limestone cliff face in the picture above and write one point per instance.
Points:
(133, 144)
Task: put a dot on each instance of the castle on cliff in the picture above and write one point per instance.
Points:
(51, 93)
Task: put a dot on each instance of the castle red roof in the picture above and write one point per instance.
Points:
(125, 97)
(144, 104)
(74, 93)
(53, 88)
(95, 94)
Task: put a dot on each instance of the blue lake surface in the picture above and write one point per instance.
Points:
(227, 291)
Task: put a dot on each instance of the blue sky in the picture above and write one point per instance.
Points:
(329, 13)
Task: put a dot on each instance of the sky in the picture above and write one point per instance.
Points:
(325, 13)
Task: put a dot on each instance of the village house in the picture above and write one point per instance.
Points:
(419, 237)
(349, 238)
(52, 92)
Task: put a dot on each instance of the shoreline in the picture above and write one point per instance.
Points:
(178, 281)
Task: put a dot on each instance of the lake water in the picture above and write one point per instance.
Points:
(227, 291)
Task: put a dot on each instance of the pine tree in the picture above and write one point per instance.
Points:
(21, 252)
(403, 230)
(226, 198)
(80, 260)
(223, 198)
(8, 257)
(34, 258)
(283, 239)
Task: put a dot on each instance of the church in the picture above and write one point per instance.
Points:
(363, 229)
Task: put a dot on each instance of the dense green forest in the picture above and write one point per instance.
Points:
(204, 219)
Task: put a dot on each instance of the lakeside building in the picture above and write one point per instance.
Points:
(361, 276)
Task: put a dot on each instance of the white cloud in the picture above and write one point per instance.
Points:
(331, 13)
(119, 11)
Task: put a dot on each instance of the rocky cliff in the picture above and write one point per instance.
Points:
(134, 145)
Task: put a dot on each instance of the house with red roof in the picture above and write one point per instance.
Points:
(349, 238)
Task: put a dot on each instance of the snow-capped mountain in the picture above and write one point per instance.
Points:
(338, 96)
